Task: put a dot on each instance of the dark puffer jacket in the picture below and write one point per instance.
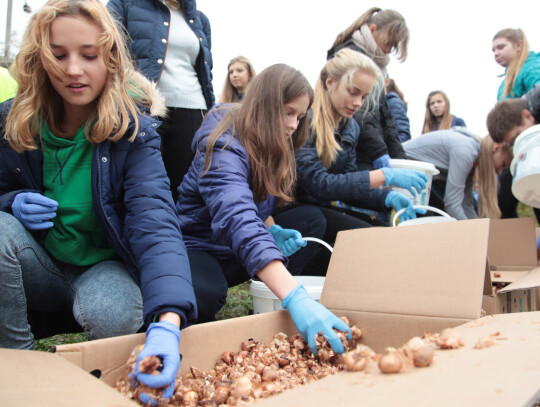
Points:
(147, 23)
(217, 212)
(342, 181)
(399, 113)
(134, 206)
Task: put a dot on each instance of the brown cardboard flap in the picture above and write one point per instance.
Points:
(505, 374)
(530, 280)
(512, 242)
(97, 355)
(508, 276)
(29, 378)
(427, 270)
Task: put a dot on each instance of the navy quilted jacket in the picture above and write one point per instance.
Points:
(147, 23)
(399, 113)
(131, 196)
(217, 212)
(342, 181)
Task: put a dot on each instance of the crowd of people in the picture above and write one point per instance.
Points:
(131, 201)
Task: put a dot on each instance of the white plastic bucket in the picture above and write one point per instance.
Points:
(525, 167)
(265, 301)
(426, 219)
(422, 197)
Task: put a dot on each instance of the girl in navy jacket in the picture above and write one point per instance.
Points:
(327, 162)
(87, 221)
(244, 165)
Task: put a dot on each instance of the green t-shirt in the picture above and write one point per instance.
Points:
(76, 237)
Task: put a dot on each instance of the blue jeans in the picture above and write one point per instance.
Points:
(104, 299)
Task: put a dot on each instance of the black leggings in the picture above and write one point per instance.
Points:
(211, 277)
(507, 201)
(177, 131)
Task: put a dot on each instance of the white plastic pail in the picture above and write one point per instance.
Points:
(265, 301)
(422, 197)
(426, 219)
(525, 167)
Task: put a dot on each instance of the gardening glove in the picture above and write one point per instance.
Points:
(310, 317)
(162, 340)
(289, 241)
(412, 180)
(34, 210)
(382, 161)
(398, 201)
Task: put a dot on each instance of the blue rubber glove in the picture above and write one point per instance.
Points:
(162, 340)
(310, 317)
(289, 241)
(412, 180)
(382, 161)
(398, 201)
(34, 210)
(538, 243)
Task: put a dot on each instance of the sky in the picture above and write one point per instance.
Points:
(449, 46)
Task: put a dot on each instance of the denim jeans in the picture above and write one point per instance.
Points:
(103, 297)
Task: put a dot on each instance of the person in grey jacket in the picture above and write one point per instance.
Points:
(457, 153)
(171, 43)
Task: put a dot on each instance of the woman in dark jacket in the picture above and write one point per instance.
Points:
(171, 42)
(87, 223)
(376, 33)
(326, 164)
(398, 108)
(244, 165)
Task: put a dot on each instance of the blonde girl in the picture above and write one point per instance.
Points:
(240, 73)
(326, 165)
(85, 194)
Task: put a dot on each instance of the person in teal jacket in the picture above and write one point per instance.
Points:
(8, 85)
(511, 50)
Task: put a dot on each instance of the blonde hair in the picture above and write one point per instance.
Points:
(230, 94)
(388, 21)
(430, 121)
(258, 123)
(512, 71)
(37, 101)
(488, 206)
(342, 68)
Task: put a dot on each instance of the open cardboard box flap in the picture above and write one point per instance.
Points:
(512, 255)
(434, 270)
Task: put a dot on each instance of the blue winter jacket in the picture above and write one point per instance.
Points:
(147, 23)
(342, 181)
(134, 206)
(399, 113)
(217, 212)
(528, 76)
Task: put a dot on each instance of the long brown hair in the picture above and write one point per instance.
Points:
(259, 125)
(37, 101)
(389, 21)
(514, 35)
(230, 94)
(430, 121)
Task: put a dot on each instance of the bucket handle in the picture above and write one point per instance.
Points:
(314, 239)
(426, 207)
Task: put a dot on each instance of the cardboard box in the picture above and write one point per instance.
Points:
(512, 260)
(393, 283)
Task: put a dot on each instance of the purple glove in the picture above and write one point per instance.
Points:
(162, 340)
(34, 210)
(382, 161)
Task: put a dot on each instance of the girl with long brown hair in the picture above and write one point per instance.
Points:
(240, 73)
(243, 167)
(87, 222)
(438, 116)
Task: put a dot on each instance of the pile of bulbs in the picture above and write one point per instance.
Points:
(261, 370)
